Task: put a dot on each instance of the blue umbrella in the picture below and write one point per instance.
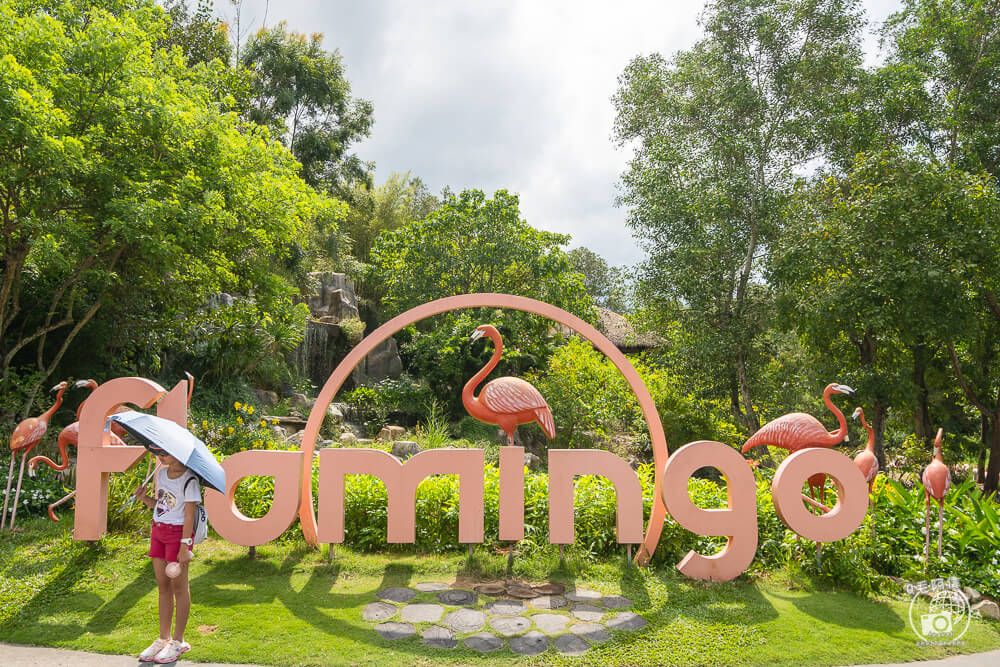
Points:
(162, 435)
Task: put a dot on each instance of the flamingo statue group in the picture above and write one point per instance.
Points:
(937, 480)
(26, 436)
(71, 436)
(506, 402)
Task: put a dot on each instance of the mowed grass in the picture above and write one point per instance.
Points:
(290, 607)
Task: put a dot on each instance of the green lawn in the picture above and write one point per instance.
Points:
(289, 607)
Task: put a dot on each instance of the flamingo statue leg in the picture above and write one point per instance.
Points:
(940, 525)
(6, 495)
(17, 494)
(927, 530)
(57, 503)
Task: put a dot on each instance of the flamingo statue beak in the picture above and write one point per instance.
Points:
(80, 384)
(857, 413)
(844, 389)
(61, 385)
(476, 335)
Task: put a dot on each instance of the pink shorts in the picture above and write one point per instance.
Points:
(165, 541)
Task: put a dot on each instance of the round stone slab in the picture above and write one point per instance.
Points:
(438, 637)
(626, 620)
(397, 594)
(492, 590)
(505, 607)
(457, 597)
(550, 589)
(571, 645)
(422, 613)
(379, 611)
(588, 612)
(522, 592)
(549, 602)
(483, 642)
(550, 623)
(465, 620)
(531, 643)
(615, 602)
(395, 630)
(431, 587)
(583, 595)
(510, 625)
(592, 632)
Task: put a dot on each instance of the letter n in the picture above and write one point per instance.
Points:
(564, 464)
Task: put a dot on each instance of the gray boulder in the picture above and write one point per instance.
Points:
(987, 608)
(404, 449)
(265, 398)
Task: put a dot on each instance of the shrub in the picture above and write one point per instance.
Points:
(404, 396)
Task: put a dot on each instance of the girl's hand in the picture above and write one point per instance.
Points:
(184, 554)
(140, 492)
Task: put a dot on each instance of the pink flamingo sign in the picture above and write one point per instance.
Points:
(293, 471)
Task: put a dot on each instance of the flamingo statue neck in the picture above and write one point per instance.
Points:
(937, 447)
(871, 432)
(838, 435)
(45, 416)
(467, 392)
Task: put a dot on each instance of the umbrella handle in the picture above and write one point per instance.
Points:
(131, 499)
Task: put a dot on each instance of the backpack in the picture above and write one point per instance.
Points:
(200, 519)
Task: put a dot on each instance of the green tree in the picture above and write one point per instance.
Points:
(299, 91)
(123, 182)
(721, 130)
(473, 244)
(198, 33)
(608, 285)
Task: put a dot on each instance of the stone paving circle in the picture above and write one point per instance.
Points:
(592, 632)
(588, 612)
(484, 642)
(397, 594)
(559, 618)
(626, 620)
(431, 587)
(583, 595)
(395, 630)
(551, 623)
(422, 613)
(510, 625)
(465, 620)
(571, 645)
(457, 597)
(379, 611)
(505, 607)
(549, 602)
(438, 637)
(530, 643)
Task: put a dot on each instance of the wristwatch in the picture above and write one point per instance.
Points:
(187, 540)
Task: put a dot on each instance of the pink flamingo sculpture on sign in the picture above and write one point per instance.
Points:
(71, 436)
(937, 480)
(506, 401)
(25, 437)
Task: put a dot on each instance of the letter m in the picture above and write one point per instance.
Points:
(401, 480)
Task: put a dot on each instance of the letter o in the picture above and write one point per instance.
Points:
(852, 494)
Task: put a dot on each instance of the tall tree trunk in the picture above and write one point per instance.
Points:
(984, 425)
(879, 411)
(752, 420)
(993, 467)
(921, 415)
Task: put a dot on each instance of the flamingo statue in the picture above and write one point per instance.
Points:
(25, 437)
(866, 461)
(71, 436)
(506, 402)
(937, 480)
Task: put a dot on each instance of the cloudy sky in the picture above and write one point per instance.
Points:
(511, 94)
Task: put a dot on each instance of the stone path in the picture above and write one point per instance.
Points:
(444, 617)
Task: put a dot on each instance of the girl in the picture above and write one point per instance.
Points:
(178, 493)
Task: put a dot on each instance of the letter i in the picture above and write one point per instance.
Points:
(511, 501)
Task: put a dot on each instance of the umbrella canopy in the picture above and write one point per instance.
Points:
(162, 435)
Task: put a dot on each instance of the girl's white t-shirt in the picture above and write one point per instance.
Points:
(171, 494)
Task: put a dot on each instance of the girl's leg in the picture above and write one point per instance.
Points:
(166, 596)
(182, 595)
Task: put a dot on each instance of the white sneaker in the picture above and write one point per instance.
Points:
(150, 653)
(173, 650)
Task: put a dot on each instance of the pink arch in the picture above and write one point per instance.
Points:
(307, 513)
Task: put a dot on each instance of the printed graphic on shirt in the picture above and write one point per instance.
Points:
(165, 501)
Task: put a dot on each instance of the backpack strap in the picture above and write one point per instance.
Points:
(190, 479)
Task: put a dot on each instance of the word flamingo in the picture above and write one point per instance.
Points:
(937, 480)
(25, 437)
(507, 401)
(70, 436)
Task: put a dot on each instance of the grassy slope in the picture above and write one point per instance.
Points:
(289, 607)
